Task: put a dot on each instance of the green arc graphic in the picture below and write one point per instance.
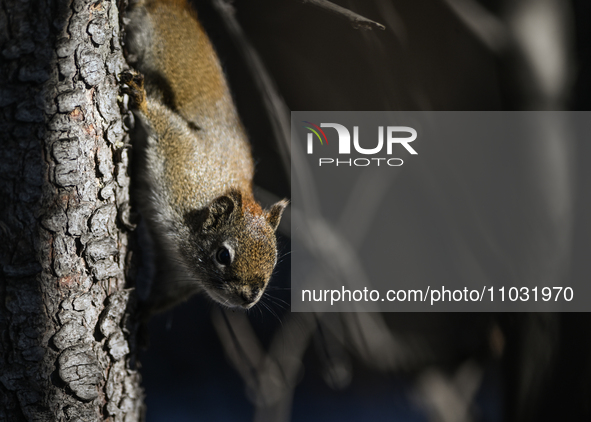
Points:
(316, 133)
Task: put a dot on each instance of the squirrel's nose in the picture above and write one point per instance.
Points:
(250, 295)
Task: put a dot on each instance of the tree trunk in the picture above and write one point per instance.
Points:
(66, 325)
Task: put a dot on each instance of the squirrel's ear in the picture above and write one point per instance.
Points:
(222, 205)
(221, 208)
(275, 213)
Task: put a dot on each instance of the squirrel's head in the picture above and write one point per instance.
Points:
(234, 251)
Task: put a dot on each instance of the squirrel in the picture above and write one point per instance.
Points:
(193, 164)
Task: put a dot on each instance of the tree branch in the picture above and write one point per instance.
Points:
(358, 21)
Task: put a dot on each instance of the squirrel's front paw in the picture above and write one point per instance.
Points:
(134, 87)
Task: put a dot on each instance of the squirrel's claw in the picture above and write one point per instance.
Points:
(134, 86)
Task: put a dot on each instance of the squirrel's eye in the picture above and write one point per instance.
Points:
(223, 256)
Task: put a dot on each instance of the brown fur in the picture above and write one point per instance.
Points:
(196, 165)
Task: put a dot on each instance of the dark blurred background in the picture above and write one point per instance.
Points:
(205, 364)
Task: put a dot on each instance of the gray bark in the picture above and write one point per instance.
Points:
(67, 345)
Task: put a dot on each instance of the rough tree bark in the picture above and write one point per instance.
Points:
(66, 332)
